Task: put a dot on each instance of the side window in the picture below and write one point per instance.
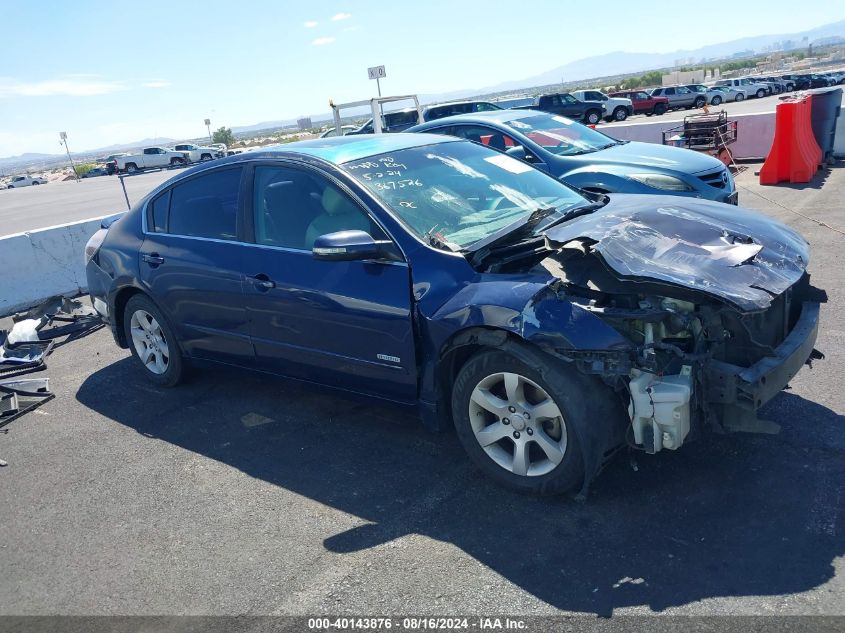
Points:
(206, 206)
(669, 91)
(484, 107)
(570, 99)
(293, 207)
(485, 136)
(149, 150)
(641, 96)
(157, 213)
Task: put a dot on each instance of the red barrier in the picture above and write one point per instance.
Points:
(795, 155)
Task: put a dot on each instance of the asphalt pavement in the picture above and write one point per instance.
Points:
(37, 207)
(243, 494)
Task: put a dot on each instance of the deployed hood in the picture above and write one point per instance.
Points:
(730, 253)
(650, 156)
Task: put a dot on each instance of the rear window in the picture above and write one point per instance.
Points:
(206, 206)
(157, 220)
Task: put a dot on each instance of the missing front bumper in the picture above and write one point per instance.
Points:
(749, 388)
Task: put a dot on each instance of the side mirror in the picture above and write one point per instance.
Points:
(346, 246)
(518, 152)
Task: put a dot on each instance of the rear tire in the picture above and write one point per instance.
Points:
(761, 93)
(593, 117)
(699, 102)
(35, 182)
(205, 157)
(739, 97)
(131, 168)
(620, 114)
(152, 342)
(717, 100)
(177, 162)
(517, 422)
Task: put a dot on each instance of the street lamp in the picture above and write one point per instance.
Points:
(63, 141)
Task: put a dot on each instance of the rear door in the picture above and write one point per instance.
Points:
(192, 263)
(346, 324)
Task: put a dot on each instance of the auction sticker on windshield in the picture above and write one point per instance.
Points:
(509, 164)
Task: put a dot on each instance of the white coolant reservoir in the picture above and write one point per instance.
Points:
(659, 409)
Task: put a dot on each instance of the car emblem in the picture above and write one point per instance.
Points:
(725, 177)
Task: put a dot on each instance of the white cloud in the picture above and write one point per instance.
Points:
(321, 41)
(310, 24)
(64, 86)
(156, 83)
(341, 16)
(349, 29)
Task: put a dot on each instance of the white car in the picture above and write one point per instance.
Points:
(731, 94)
(616, 108)
(151, 157)
(26, 181)
(198, 153)
(752, 88)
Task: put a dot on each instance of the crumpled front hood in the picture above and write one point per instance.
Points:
(731, 253)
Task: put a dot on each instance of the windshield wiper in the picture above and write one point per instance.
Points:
(514, 233)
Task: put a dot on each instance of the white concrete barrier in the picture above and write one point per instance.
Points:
(38, 264)
(755, 133)
(839, 138)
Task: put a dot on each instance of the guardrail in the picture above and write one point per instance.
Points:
(35, 265)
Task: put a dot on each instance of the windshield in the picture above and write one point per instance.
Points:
(459, 192)
(560, 135)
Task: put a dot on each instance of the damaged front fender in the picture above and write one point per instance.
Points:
(535, 312)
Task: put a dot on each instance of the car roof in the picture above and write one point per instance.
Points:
(452, 103)
(342, 149)
(493, 116)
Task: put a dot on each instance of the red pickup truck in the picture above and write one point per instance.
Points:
(643, 102)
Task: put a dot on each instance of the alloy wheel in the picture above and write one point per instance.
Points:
(149, 342)
(517, 424)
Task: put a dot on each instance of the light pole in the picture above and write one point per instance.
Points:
(63, 141)
(208, 127)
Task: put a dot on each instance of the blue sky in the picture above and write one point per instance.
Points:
(112, 72)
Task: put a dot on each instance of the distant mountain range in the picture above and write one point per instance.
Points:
(596, 66)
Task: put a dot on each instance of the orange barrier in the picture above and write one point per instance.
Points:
(795, 155)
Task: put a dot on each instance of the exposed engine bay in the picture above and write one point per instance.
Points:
(718, 311)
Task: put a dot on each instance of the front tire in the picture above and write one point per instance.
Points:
(717, 100)
(152, 342)
(620, 114)
(761, 93)
(739, 97)
(699, 102)
(660, 109)
(517, 422)
(177, 162)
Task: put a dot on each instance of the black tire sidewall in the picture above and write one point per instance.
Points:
(175, 368)
(567, 395)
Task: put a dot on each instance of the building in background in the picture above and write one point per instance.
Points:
(304, 123)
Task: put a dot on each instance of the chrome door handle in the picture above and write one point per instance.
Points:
(152, 258)
(263, 282)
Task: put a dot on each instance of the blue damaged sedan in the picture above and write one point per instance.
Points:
(550, 329)
(589, 160)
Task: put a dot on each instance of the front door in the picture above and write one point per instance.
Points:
(342, 323)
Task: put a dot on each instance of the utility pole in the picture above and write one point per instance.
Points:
(208, 127)
(63, 141)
